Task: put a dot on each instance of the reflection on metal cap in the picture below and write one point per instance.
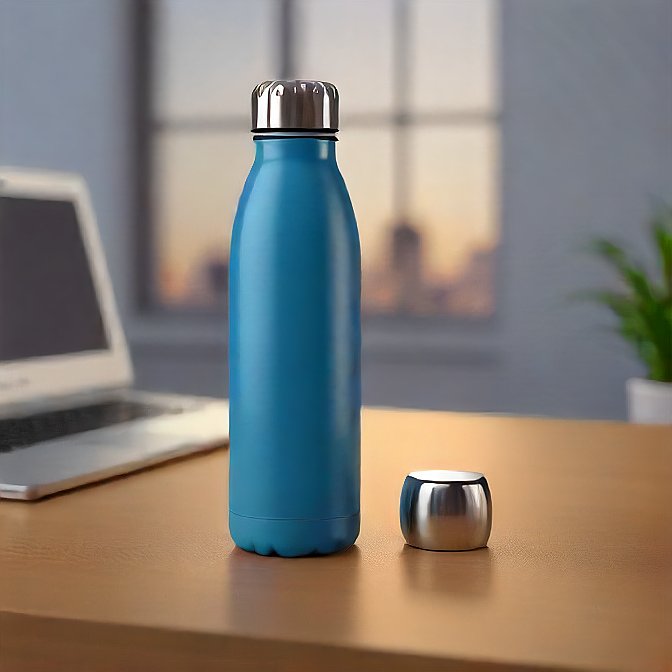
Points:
(446, 510)
(294, 105)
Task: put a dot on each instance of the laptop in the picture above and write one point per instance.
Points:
(68, 413)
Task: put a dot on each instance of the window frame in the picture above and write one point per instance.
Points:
(383, 333)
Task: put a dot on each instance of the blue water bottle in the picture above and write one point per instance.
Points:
(294, 322)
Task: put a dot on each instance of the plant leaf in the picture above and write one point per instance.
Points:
(633, 276)
(643, 308)
(662, 235)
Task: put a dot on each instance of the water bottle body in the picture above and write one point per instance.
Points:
(294, 354)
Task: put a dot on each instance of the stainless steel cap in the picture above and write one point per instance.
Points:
(294, 105)
(446, 510)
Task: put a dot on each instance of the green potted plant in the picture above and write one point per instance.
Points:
(643, 308)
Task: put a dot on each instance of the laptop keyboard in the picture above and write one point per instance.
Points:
(23, 432)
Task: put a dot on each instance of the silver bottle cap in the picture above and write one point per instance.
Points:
(294, 105)
(446, 510)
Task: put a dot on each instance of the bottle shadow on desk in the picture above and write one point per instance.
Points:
(289, 596)
(467, 574)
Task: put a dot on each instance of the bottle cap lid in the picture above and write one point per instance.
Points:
(446, 510)
(294, 105)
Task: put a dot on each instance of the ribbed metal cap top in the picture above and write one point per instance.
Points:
(294, 105)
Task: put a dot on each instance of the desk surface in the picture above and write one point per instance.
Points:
(140, 573)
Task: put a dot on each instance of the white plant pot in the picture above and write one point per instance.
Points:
(649, 401)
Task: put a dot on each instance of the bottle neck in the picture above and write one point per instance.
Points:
(285, 146)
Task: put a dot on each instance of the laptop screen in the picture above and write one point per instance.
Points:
(48, 303)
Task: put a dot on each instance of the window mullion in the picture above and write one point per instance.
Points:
(288, 28)
(400, 79)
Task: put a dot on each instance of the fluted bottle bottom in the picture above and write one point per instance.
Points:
(294, 537)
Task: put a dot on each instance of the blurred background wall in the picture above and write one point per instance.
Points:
(585, 145)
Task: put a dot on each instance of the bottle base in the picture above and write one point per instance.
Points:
(293, 538)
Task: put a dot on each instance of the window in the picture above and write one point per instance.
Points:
(417, 146)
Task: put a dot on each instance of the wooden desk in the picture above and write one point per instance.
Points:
(140, 573)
